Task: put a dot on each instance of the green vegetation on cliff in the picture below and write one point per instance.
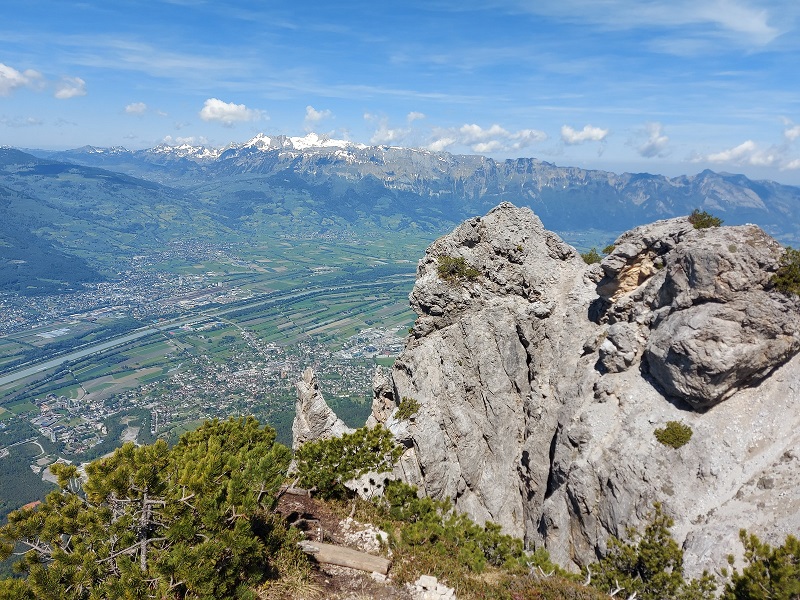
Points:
(787, 278)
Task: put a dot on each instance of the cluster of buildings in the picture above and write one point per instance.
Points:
(140, 289)
(66, 420)
(259, 380)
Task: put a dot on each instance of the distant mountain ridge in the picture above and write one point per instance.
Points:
(459, 186)
(103, 204)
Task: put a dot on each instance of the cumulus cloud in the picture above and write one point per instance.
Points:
(414, 116)
(485, 140)
(472, 133)
(228, 113)
(792, 133)
(656, 143)
(136, 108)
(11, 79)
(441, 144)
(589, 133)
(385, 135)
(314, 116)
(750, 154)
(70, 87)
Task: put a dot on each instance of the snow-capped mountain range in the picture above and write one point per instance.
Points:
(454, 186)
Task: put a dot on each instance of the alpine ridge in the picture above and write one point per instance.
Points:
(454, 187)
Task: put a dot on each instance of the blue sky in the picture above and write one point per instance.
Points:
(639, 85)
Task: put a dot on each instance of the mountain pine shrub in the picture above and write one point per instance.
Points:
(192, 521)
(700, 219)
(455, 268)
(787, 278)
(674, 434)
(327, 464)
(591, 257)
(649, 564)
(407, 408)
(771, 573)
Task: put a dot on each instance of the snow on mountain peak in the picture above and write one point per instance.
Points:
(186, 150)
(261, 141)
(314, 140)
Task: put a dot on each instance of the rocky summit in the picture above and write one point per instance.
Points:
(541, 382)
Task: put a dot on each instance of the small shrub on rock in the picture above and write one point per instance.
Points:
(674, 434)
(407, 408)
(787, 277)
(700, 219)
(770, 572)
(609, 249)
(455, 268)
(591, 257)
(649, 566)
(327, 464)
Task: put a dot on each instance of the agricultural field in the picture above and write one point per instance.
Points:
(225, 333)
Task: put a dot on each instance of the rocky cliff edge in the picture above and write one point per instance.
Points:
(541, 381)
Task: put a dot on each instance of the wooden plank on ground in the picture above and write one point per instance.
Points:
(345, 557)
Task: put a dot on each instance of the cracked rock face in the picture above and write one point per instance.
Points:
(702, 313)
(541, 382)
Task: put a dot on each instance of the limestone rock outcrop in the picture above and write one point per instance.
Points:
(313, 418)
(541, 381)
(697, 304)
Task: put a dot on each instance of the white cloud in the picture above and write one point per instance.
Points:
(11, 79)
(793, 165)
(485, 140)
(741, 22)
(488, 147)
(471, 134)
(589, 133)
(384, 135)
(526, 137)
(228, 113)
(314, 116)
(656, 143)
(792, 133)
(136, 108)
(440, 144)
(70, 87)
(414, 116)
(748, 153)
